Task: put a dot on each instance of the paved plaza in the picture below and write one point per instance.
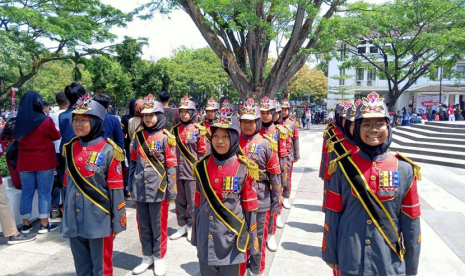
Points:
(442, 192)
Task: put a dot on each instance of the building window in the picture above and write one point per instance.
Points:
(342, 72)
(461, 70)
(371, 77)
(343, 51)
(362, 50)
(360, 76)
(373, 49)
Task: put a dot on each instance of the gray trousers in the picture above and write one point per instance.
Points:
(185, 202)
(257, 261)
(92, 257)
(152, 219)
(223, 270)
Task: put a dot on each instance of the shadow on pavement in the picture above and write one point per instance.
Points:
(308, 227)
(191, 268)
(125, 261)
(309, 250)
(308, 207)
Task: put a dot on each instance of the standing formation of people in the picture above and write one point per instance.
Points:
(371, 203)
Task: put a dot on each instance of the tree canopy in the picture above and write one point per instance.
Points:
(406, 39)
(241, 33)
(43, 31)
(309, 81)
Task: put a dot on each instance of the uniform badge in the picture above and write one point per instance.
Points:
(256, 244)
(119, 169)
(94, 161)
(388, 183)
(254, 151)
(230, 186)
(323, 247)
(190, 137)
(123, 221)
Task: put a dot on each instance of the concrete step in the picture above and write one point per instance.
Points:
(408, 133)
(457, 124)
(403, 141)
(432, 127)
(432, 133)
(435, 160)
(423, 150)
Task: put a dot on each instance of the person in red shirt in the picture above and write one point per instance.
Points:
(35, 133)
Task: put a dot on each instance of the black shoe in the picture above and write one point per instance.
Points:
(20, 238)
(26, 229)
(55, 214)
(47, 228)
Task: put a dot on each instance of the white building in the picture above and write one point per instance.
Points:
(423, 93)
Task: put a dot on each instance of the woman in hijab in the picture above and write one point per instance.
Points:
(373, 208)
(94, 207)
(191, 142)
(153, 145)
(35, 133)
(263, 151)
(225, 203)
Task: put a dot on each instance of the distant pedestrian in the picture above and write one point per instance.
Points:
(450, 113)
(304, 119)
(308, 117)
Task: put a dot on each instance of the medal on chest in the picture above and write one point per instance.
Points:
(388, 183)
(253, 151)
(230, 186)
(94, 161)
(154, 147)
(190, 137)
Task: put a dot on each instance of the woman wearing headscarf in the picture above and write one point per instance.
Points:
(35, 133)
(191, 143)
(263, 151)
(152, 177)
(372, 222)
(94, 207)
(225, 203)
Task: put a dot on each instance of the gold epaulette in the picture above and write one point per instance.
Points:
(171, 138)
(273, 143)
(252, 167)
(333, 164)
(290, 131)
(331, 146)
(63, 150)
(117, 151)
(202, 129)
(283, 133)
(416, 168)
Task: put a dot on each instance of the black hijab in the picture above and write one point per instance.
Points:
(132, 105)
(192, 113)
(30, 114)
(97, 129)
(161, 122)
(273, 115)
(234, 141)
(280, 120)
(371, 151)
(346, 130)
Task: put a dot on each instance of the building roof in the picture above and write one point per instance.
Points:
(435, 88)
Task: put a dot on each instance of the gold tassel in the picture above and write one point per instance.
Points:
(273, 143)
(328, 142)
(290, 132)
(331, 148)
(333, 164)
(171, 138)
(283, 133)
(117, 151)
(416, 168)
(194, 174)
(252, 167)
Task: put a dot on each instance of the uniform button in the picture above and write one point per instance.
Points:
(220, 168)
(374, 164)
(211, 217)
(369, 221)
(373, 177)
(79, 169)
(217, 180)
(78, 194)
(367, 241)
(84, 148)
(210, 236)
(80, 158)
(78, 210)
(146, 182)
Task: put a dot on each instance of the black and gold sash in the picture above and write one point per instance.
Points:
(95, 195)
(235, 224)
(182, 148)
(153, 160)
(372, 205)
